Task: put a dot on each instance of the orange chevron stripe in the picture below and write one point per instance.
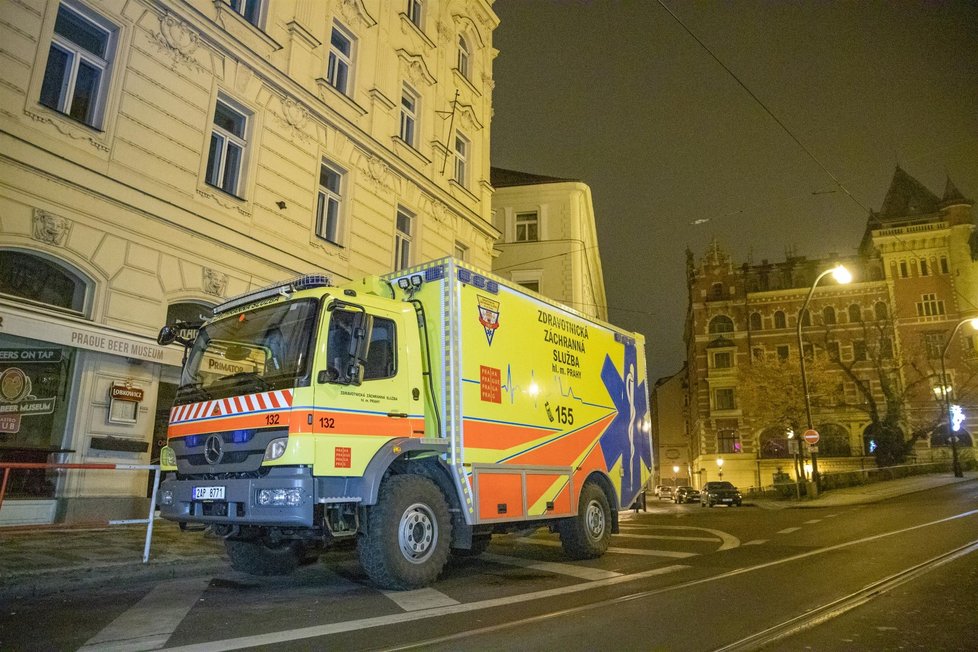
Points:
(564, 451)
(500, 436)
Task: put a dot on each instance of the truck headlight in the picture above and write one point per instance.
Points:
(279, 497)
(168, 459)
(276, 448)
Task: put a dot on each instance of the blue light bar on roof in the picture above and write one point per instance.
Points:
(284, 288)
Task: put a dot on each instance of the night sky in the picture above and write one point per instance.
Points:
(676, 152)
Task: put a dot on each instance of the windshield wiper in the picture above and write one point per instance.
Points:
(245, 376)
(193, 390)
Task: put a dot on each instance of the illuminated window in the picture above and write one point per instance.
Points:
(79, 61)
(728, 440)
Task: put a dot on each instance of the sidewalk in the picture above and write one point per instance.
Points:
(41, 560)
(865, 494)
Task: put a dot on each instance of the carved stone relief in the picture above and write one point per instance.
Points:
(178, 41)
(354, 12)
(214, 282)
(50, 228)
(377, 171)
(294, 118)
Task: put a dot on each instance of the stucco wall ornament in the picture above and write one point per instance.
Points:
(66, 129)
(50, 228)
(355, 12)
(177, 40)
(294, 118)
(214, 282)
(377, 172)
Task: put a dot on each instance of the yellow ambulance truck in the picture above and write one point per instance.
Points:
(416, 414)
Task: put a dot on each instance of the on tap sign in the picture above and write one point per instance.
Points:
(26, 375)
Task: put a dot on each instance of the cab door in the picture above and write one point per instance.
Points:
(362, 401)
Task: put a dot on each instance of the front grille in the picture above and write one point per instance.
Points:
(241, 452)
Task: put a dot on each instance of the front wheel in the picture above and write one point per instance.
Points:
(407, 535)
(588, 534)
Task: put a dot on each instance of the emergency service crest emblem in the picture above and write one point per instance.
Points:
(488, 316)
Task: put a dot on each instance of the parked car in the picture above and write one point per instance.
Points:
(665, 492)
(720, 493)
(658, 490)
(686, 495)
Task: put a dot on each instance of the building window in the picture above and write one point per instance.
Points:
(774, 443)
(340, 63)
(531, 285)
(250, 10)
(415, 12)
(779, 320)
(924, 269)
(855, 314)
(403, 235)
(929, 306)
(904, 271)
(783, 352)
(329, 202)
(757, 353)
(945, 269)
(859, 350)
(225, 159)
(880, 311)
(42, 281)
(76, 75)
(715, 293)
(806, 317)
(728, 441)
(722, 360)
(934, 345)
(886, 348)
(720, 324)
(723, 399)
(461, 159)
(755, 321)
(828, 315)
(464, 57)
(409, 116)
(461, 251)
(527, 227)
(833, 350)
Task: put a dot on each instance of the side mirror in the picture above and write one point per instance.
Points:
(167, 336)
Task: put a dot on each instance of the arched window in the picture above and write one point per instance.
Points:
(779, 320)
(828, 315)
(755, 321)
(833, 441)
(880, 311)
(806, 318)
(40, 280)
(774, 443)
(855, 314)
(464, 57)
(721, 324)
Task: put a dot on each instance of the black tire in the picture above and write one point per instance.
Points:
(479, 545)
(587, 535)
(407, 535)
(257, 557)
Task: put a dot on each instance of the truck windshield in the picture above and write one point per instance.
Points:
(252, 351)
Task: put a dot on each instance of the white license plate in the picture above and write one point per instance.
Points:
(208, 493)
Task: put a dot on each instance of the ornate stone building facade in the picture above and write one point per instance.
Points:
(159, 156)
(877, 341)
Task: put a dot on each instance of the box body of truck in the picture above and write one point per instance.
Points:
(307, 414)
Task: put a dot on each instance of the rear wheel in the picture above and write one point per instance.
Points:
(408, 533)
(588, 534)
(258, 557)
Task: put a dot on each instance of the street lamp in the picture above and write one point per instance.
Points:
(720, 466)
(946, 389)
(675, 472)
(841, 276)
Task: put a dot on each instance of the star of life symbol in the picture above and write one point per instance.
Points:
(488, 316)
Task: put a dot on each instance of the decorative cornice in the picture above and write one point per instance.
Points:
(413, 67)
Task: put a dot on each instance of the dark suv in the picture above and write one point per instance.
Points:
(720, 493)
